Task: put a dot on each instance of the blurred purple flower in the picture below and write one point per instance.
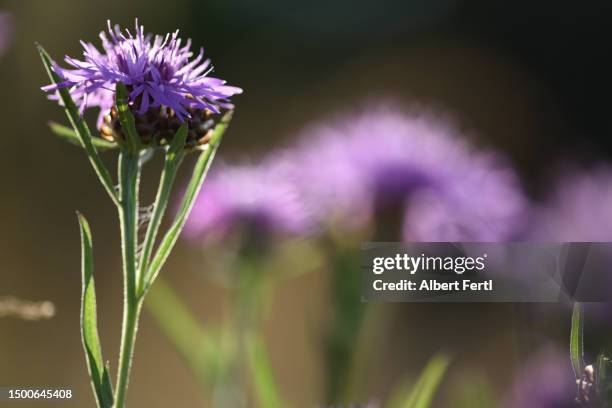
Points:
(359, 166)
(6, 31)
(545, 381)
(578, 210)
(158, 71)
(247, 196)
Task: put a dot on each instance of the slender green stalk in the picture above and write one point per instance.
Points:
(159, 207)
(174, 158)
(129, 177)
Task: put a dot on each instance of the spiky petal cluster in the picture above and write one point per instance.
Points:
(158, 71)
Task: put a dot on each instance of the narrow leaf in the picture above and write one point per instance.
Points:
(98, 373)
(80, 127)
(128, 124)
(261, 373)
(577, 340)
(193, 344)
(193, 188)
(70, 136)
(174, 157)
(424, 390)
(178, 142)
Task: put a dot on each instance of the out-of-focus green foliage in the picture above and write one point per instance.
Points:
(422, 392)
(261, 374)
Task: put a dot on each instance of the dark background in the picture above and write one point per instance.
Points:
(531, 78)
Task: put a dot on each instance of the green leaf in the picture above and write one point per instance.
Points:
(98, 372)
(194, 345)
(70, 136)
(174, 157)
(128, 124)
(577, 340)
(261, 373)
(423, 391)
(177, 146)
(80, 128)
(193, 188)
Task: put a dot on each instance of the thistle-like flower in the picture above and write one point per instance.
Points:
(150, 93)
(253, 199)
(166, 85)
(385, 164)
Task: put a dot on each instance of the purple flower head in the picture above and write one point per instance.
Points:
(360, 167)
(247, 198)
(159, 71)
(546, 381)
(6, 31)
(578, 210)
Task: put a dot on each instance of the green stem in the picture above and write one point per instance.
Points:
(129, 178)
(131, 314)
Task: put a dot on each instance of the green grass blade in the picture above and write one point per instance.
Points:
(193, 344)
(577, 340)
(174, 157)
(98, 372)
(424, 390)
(193, 188)
(128, 124)
(261, 374)
(80, 128)
(70, 136)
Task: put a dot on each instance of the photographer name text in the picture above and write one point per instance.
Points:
(454, 266)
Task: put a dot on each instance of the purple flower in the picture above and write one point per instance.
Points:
(578, 210)
(6, 31)
(361, 168)
(159, 71)
(247, 198)
(545, 381)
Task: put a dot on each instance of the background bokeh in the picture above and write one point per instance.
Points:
(530, 78)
